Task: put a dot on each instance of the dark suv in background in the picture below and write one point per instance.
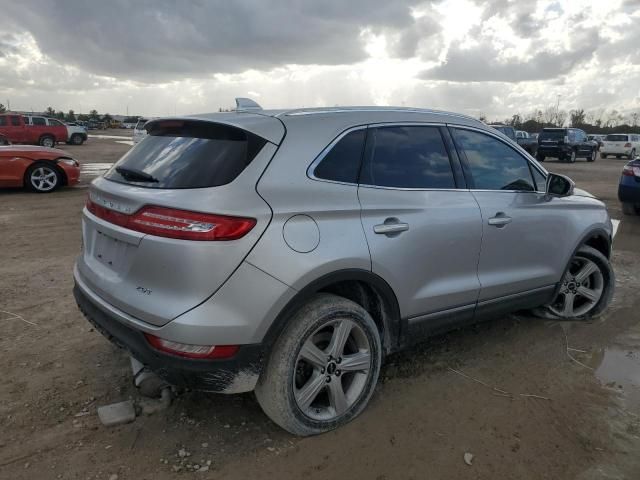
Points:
(565, 144)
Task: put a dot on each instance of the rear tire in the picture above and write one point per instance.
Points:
(586, 288)
(47, 141)
(540, 157)
(42, 177)
(572, 156)
(77, 139)
(302, 388)
(629, 209)
(603, 155)
(593, 156)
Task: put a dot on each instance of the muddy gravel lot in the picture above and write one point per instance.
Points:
(572, 410)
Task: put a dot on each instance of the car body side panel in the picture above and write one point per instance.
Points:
(534, 249)
(12, 170)
(333, 207)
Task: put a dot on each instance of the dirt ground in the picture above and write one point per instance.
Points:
(426, 413)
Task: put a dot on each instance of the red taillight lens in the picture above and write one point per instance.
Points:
(628, 171)
(180, 224)
(191, 351)
(627, 145)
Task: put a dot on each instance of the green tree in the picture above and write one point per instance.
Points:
(577, 117)
(83, 117)
(70, 116)
(60, 115)
(2, 108)
(50, 112)
(107, 118)
(93, 114)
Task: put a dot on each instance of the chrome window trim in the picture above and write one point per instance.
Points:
(528, 158)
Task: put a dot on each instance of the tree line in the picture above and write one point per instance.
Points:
(596, 121)
(71, 116)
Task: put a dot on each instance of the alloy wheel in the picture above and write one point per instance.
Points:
(581, 289)
(332, 370)
(44, 179)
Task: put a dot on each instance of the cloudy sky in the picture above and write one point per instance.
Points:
(158, 57)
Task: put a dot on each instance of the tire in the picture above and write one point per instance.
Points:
(600, 284)
(540, 157)
(287, 375)
(43, 177)
(603, 156)
(47, 141)
(76, 139)
(632, 155)
(618, 157)
(572, 156)
(593, 156)
(629, 209)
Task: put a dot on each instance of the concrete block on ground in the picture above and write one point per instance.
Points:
(117, 413)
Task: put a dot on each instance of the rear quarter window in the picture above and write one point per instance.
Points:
(179, 154)
(342, 162)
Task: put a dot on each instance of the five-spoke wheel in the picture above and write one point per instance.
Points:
(43, 178)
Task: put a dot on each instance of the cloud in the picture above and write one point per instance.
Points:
(482, 63)
(157, 40)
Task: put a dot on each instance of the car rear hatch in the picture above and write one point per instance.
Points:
(552, 138)
(170, 222)
(616, 142)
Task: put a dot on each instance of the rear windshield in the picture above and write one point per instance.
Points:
(552, 134)
(140, 124)
(179, 154)
(617, 138)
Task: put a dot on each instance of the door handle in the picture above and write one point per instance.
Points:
(390, 227)
(500, 220)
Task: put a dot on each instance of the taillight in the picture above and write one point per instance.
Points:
(191, 351)
(631, 171)
(627, 145)
(174, 223)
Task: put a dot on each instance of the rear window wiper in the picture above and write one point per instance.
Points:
(136, 175)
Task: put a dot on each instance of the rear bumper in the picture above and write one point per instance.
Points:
(615, 150)
(553, 150)
(629, 193)
(236, 375)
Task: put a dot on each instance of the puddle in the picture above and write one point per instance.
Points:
(620, 368)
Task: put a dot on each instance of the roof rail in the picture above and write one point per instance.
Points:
(246, 104)
(322, 110)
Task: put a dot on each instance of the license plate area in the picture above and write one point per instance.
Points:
(111, 252)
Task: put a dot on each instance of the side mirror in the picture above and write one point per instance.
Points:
(559, 185)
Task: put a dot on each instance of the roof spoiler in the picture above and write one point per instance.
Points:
(243, 104)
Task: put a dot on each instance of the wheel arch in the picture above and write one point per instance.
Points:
(363, 287)
(51, 163)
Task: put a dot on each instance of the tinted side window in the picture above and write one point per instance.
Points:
(407, 157)
(494, 165)
(54, 123)
(38, 121)
(15, 121)
(3, 121)
(342, 162)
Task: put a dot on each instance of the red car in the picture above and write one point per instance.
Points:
(32, 129)
(38, 168)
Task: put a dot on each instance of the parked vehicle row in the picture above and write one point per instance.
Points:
(526, 141)
(566, 144)
(229, 257)
(38, 130)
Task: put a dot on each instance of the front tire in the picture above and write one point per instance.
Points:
(572, 156)
(592, 157)
(586, 288)
(42, 178)
(323, 368)
(629, 208)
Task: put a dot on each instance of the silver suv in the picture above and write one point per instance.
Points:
(288, 252)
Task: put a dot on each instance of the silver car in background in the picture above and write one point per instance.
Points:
(289, 251)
